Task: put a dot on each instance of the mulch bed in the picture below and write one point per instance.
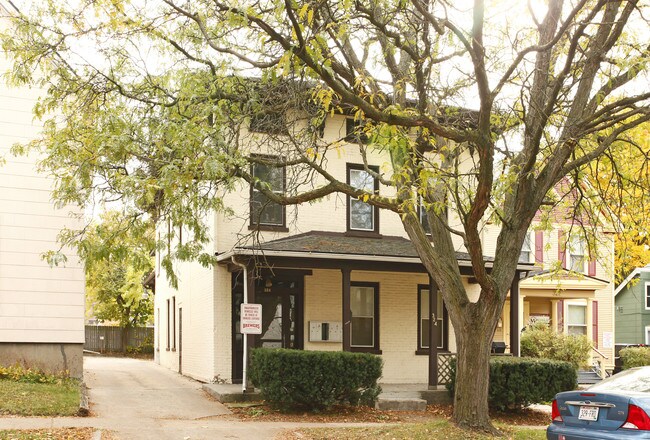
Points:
(346, 414)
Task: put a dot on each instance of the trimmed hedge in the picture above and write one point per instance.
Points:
(518, 382)
(315, 380)
(635, 357)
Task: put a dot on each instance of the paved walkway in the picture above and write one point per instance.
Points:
(137, 399)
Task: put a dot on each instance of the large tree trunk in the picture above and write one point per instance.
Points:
(474, 335)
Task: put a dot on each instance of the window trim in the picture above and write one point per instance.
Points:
(375, 348)
(174, 323)
(445, 325)
(252, 225)
(529, 251)
(646, 296)
(375, 209)
(572, 245)
(356, 135)
(168, 322)
(567, 322)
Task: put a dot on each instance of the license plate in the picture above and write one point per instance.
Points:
(589, 413)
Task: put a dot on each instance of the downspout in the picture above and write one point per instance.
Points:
(245, 360)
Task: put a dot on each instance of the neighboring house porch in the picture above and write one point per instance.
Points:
(334, 291)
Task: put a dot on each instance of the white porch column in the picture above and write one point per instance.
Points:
(522, 323)
(554, 316)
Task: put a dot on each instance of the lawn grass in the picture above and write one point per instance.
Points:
(48, 434)
(441, 429)
(39, 399)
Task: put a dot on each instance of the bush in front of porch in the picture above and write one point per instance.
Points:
(315, 380)
(518, 382)
(540, 341)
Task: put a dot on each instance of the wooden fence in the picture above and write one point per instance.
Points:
(109, 339)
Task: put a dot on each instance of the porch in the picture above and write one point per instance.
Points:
(321, 291)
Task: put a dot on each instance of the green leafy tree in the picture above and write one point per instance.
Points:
(117, 255)
(153, 115)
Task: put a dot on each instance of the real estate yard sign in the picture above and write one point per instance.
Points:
(251, 319)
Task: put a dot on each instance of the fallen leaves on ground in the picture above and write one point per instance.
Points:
(48, 434)
(361, 414)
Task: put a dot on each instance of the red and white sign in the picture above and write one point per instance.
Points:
(251, 319)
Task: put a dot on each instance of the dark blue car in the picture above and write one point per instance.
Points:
(615, 409)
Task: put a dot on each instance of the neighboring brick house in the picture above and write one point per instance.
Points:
(41, 307)
(633, 308)
(340, 250)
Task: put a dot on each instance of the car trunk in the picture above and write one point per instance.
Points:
(595, 410)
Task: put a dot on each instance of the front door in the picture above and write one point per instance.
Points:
(281, 297)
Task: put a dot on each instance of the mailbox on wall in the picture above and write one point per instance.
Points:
(325, 331)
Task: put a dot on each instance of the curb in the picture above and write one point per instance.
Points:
(84, 408)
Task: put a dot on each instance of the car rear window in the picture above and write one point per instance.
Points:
(636, 379)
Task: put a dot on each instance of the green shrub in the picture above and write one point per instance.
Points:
(635, 357)
(540, 341)
(518, 382)
(18, 373)
(315, 380)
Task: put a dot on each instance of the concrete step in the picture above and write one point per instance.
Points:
(229, 393)
(401, 404)
(588, 377)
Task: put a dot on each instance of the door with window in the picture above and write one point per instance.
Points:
(281, 297)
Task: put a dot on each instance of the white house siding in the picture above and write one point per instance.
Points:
(195, 296)
(41, 307)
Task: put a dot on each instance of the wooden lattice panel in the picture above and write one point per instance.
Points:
(444, 368)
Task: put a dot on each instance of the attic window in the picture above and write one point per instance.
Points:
(354, 131)
(269, 123)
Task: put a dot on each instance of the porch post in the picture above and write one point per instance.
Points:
(250, 339)
(434, 331)
(347, 311)
(514, 316)
(554, 315)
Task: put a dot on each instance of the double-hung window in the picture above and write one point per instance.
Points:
(364, 328)
(425, 319)
(265, 213)
(647, 296)
(362, 217)
(577, 319)
(526, 249)
(577, 252)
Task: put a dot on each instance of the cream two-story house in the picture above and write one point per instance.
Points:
(339, 274)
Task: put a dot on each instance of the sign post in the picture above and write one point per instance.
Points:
(250, 318)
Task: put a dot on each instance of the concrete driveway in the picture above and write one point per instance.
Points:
(137, 399)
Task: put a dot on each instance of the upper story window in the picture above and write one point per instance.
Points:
(354, 131)
(424, 218)
(526, 249)
(264, 212)
(269, 123)
(362, 216)
(647, 296)
(577, 255)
